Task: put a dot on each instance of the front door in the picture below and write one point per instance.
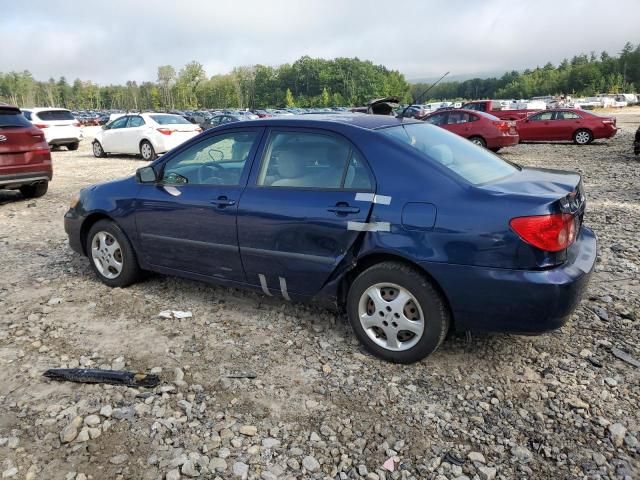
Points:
(301, 212)
(112, 136)
(132, 134)
(537, 127)
(187, 222)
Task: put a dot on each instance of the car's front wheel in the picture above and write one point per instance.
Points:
(582, 137)
(147, 152)
(98, 151)
(396, 313)
(112, 257)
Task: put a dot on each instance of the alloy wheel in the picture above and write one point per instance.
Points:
(583, 137)
(391, 316)
(106, 254)
(145, 150)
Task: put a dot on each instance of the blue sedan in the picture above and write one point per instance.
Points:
(410, 229)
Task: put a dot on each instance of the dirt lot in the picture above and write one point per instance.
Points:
(558, 406)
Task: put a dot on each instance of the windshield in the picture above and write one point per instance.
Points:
(475, 164)
(169, 119)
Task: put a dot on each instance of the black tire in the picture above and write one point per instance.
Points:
(147, 152)
(582, 137)
(478, 141)
(34, 191)
(98, 151)
(495, 149)
(73, 146)
(434, 310)
(130, 272)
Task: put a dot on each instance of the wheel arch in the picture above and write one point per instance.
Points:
(373, 258)
(89, 222)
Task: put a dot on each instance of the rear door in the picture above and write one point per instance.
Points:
(565, 124)
(306, 203)
(458, 122)
(187, 222)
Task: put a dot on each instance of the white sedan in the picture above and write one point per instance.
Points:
(144, 134)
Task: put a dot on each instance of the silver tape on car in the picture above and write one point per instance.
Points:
(372, 197)
(283, 289)
(263, 284)
(172, 190)
(369, 227)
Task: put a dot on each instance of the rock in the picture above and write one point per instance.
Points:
(92, 420)
(241, 470)
(106, 411)
(10, 472)
(217, 464)
(599, 459)
(314, 437)
(13, 443)
(522, 454)
(487, 473)
(173, 474)
(83, 436)
(248, 430)
(270, 442)
(118, 364)
(70, 432)
(189, 469)
(119, 459)
(476, 457)
(310, 464)
(224, 452)
(617, 431)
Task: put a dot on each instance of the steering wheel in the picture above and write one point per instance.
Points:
(204, 177)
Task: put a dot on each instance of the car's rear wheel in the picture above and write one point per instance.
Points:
(73, 146)
(396, 313)
(112, 257)
(582, 137)
(147, 152)
(98, 151)
(34, 191)
(478, 141)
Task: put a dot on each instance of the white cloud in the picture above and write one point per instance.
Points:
(117, 40)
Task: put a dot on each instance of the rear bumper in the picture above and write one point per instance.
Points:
(518, 301)
(504, 141)
(18, 179)
(73, 228)
(63, 141)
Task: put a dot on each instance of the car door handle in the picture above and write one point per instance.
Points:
(343, 209)
(223, 202)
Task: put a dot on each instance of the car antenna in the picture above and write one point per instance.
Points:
(421, 96)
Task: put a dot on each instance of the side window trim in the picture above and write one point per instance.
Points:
(248, 166)
(264, 145)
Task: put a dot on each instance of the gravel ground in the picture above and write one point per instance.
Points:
(557, 406)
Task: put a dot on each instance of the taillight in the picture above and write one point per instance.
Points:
(609, 121)
(502, 126)
(40, 125)
(165, 131)
(550, 233)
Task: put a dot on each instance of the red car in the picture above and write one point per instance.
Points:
(495, 108)
(566, 124)
(481, 128)
(25, 158)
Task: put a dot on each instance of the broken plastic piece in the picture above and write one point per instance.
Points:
(389, 465)
(453, 459)
(95, 375)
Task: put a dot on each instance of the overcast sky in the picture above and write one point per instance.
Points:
(111, 41)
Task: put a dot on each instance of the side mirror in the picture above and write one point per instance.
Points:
(146, 175)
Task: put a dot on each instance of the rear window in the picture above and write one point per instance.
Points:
(54, 115)
(12, 118)
(474, 164)
(169, 119)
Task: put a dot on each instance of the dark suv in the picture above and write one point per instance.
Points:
(25, 158)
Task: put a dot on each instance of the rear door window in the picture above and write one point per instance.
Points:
(135, 122)
(456, 118)
(437, 119)
(312, 160)
(54, 115)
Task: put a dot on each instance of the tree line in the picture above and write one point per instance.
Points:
(583, 75)
(308, 82)
(316, 82)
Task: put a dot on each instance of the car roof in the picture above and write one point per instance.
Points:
(44, 109)
(362, 120)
